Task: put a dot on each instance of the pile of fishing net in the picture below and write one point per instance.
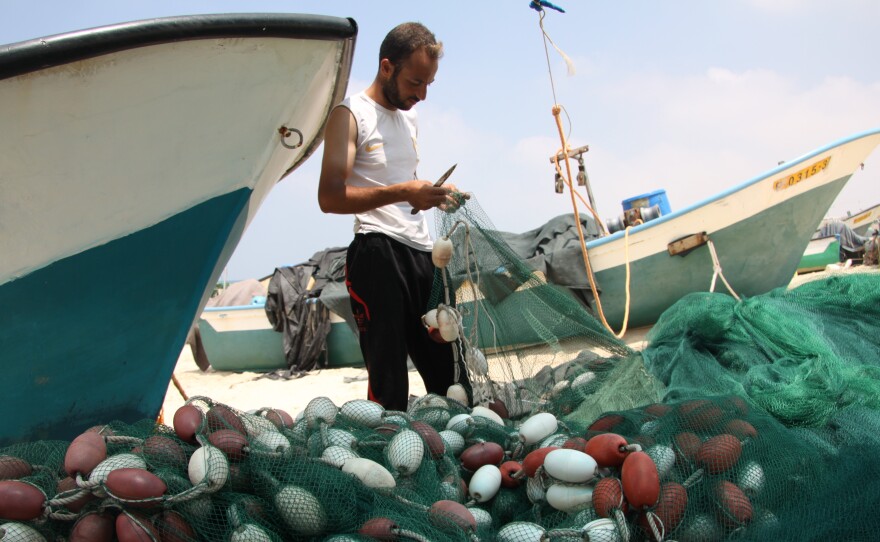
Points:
(749, 420)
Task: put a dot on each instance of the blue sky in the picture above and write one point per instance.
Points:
(692, 97)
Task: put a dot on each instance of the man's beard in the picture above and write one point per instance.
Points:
(392, 93)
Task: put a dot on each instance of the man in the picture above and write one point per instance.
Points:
(369, 170)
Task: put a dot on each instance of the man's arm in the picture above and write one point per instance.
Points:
(334, 196)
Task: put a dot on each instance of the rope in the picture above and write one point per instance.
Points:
(717, 272)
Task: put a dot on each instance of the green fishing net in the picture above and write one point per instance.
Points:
(740, 420)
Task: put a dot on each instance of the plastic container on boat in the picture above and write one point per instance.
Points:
(657, 197)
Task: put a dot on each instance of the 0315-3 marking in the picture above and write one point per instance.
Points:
(802, 175)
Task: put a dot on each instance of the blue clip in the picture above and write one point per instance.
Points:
(539, 5)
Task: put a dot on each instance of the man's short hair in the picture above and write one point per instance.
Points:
(406, 38)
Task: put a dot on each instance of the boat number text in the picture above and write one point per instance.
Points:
(801, 175)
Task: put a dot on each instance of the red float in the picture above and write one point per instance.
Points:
(686, 446)
(188, 421)
(280, 418)
(164, 451)
(20, 501)
(482, 453)
(498, 407)
(222, 417)
(719, 453)
(606, 423)
(700, 415)
(67, 484)
(575, 443)
(510, 473)
(447, 513)
(13, 468)
(84, 454)
(131, 484)
(741, 429)
(134, 527)
(93, 527)
(380, 529)
(535, 459)
(432, 438)
(608, 449)
(230, 442)
(608, 495)
(641, 482)
(173, 528)
(735, 508)
(669, 510)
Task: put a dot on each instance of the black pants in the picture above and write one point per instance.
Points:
(389, 284)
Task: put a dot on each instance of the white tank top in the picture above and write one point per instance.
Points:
(387, 154)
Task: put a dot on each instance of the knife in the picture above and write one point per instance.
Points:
(439, 182)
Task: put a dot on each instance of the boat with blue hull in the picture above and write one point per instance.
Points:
(758, 229)
(133, 158)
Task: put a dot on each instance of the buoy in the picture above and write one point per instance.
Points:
(84, 454)
(19, 532)
(641, 482)
(481, 453)
(441, 254)
(230, 442)
(663, 457)
(336, 455)
(301, 510)
(272, 441)
(751, 478)
(160, 450)
(457, 393)
(537, 427)
(363, 412)
(608, 496)
(487, 414)
(91, 527)
(572, 466)
(248, 532)
(405, 452)
(569, 498)
(669, 511)
(454, 441)
(208, 465)
(734, 506)
(370, 473)
(511, 472)
(223, 417)
(535, 459)
(447, 323)
(719, 453)
(485, 483)
(20, 501)
(450, 514)
(135, 485)
(461, 424)
(13, 468)
(134, 527)
(686, 446)
(279, 418)
(431, 437)
(520, 531)
(188, 421)
(320, 409)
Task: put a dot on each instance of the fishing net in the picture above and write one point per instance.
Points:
(740, 420)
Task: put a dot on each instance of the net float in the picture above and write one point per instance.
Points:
(719, 453)
(336, 455)
(511, 472)
(163, 451)
(606, 422)
(230, 442)
(734, 506)
(209, 466)
(573, 466)
(441, 254)
(741, 429)
(575, 443)
(446, 514)
(84, 454)
(658, 410)
(19, 532)
(482, 517)
(569, 498)
(608, 449)
(430, 319)
(686, 446)
(431, 438)
(222, 417)
(135, 485)
(650, 427)
(485, 483)
(454, 441)
(436, 418)
(521, 531)
(92, 527)
(499, 407)
(461, 424)
(370, 473)
(188, 422)
(451, 491)
(339, 437)
(254, 425)
(537, 427)
(272, 442)
(320, 410)
(247, 508)
(249, 532)
(300, 510)
(380, 529)
(119, 461)
(405, 452)
(363, 412)
(735, 404)
(447, 323)
(134, 527)
(700, 415)
(13, 468)
(701, 527)
(456, 392)
(664, 457)
(20, 501)
(481, 453)
(173, 527)
(669, 511)
(751, 478)
(279, 418)
(535, 489)
(557, 440)
(535, 459)
(486, 413)
(608, 496)
(641, 482)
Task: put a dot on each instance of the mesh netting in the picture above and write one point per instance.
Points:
(750, 420)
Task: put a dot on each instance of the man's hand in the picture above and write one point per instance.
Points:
(423, 195)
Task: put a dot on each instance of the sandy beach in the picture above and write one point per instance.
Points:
(250, 391)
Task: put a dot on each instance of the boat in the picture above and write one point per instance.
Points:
(861, 222)
(758, 230)
(240, 338)
(134, 156)
(819, 254)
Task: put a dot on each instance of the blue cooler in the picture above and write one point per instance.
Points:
(657, 197)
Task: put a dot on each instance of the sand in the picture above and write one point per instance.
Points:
(250, 391)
